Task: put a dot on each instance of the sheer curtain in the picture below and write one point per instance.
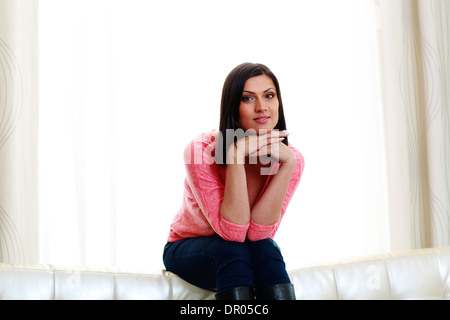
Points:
(415, 73)
(124, 85)
(19, 238)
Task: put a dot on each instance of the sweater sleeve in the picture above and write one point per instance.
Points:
(203, 177)
(259, 232)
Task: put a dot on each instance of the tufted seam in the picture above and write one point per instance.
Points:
(169, 277)
(389, 276)
(440, 275)
(335, 283)
(54, 284)
(114, 290)
(171, 288)
(389, 279)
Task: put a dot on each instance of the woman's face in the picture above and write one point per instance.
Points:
(258, 109)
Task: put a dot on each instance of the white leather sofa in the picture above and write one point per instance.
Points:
(418, 274)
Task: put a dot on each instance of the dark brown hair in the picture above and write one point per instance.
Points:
(231, 98)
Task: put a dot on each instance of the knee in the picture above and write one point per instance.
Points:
(232, 251)
(264, 247)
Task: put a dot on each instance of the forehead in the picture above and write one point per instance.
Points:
(259, 83)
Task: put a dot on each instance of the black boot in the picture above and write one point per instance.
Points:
(283, 291)
(237, 293)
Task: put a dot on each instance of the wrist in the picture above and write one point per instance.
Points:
(289, 158)
(234, 156)
(289, 163)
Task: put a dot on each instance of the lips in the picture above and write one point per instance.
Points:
(262, 119)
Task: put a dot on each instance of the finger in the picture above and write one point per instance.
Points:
(261, 153)
(273, 140)
(250, 144)
(253, 143)
(266, 150)
(276, 136)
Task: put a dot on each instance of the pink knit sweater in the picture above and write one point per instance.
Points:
(204, 187)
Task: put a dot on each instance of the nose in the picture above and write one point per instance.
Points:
(259, 105)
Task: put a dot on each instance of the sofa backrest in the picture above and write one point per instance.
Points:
(417, 274)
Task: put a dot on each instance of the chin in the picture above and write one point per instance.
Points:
(263, 130)
(259, 129)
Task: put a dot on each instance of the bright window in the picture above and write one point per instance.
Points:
(124, 85)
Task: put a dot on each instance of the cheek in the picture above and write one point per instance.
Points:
(244, 113)
(274, 111)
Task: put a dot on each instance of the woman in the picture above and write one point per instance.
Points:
(239, 181)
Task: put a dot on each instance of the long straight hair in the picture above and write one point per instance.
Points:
(231, 99)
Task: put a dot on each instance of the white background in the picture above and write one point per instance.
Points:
(124, 85)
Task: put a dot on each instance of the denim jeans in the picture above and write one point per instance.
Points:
(216, 264)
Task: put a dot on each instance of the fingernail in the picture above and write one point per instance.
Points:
(281, 139)
(285, 132)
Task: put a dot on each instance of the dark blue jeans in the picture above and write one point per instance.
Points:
(216, 264)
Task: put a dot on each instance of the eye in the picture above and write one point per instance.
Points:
(247, 99)
(270, 96)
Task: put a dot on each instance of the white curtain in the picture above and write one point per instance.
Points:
(19, 238)
(414, 42)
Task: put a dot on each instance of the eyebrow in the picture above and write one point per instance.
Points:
(263, 92)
